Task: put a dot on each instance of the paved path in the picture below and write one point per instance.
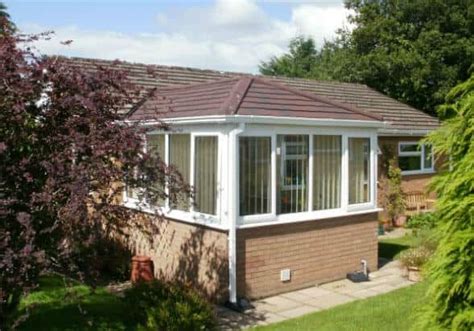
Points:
(294, 304)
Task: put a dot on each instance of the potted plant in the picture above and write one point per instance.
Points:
(413, 260)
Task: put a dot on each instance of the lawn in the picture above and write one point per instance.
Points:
(391, 248)
(391, 311)
(55, 307)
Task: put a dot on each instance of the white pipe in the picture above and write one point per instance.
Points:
(233, 201)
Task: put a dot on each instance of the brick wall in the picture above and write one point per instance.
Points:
(184, 252)
(315, 251)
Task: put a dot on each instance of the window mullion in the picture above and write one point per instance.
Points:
(345, 173)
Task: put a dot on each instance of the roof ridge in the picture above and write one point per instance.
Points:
(317, 98)
(237, 94)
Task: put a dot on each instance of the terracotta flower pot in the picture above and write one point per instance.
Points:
(142, 269)
(414, 274)
(400, 221)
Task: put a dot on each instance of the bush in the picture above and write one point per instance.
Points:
(158, 305)
(422, 221)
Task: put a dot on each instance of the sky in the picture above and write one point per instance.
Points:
(230, 35)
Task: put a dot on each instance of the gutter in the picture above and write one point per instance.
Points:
(255, 119)
(232, 247)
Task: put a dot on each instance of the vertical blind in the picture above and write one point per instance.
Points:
(292, 162)
(326, 172)
(359, 163)
(205, 174)
(180, 158)
(255, 175)
(155, 145)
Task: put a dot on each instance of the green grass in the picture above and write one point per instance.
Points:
(391, 248)
(56, 307)
(391, 311)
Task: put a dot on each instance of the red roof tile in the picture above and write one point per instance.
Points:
(244, 95)
(399, 115)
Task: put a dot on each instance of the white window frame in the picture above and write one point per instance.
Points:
(345, 208)
(420, 153)
(190, 216)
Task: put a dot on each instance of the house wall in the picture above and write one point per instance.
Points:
(184, 252)
(316, 252)
(418, 182)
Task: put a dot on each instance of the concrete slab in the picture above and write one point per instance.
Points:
(309, 300)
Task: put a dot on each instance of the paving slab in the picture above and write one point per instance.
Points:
(297, 303)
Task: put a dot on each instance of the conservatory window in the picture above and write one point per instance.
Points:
(255, 175)
(359, 170)
(205, 174)
(414, 158)
(327, 153)
(180, 158)
(292, 169)
(155, 145)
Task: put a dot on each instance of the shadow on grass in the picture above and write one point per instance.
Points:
(54, 308)
(389, 250)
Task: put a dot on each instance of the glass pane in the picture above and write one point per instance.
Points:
(326, 172)
(155, 145)
(255, 175)
(180, 158)
(292, 170)
(408, 163)
(359, 170)
(205, 174)
(428, 157)
(414, 147)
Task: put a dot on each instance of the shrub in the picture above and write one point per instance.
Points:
(415, 257)
(422, 221)
(158, 305)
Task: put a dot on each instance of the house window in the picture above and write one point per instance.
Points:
(414, 158)
(255, 175)
(180, 159)
(359, 170)
(292, 163)
(205, 174)
(327, 152)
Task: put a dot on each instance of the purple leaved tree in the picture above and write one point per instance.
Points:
(64, 154)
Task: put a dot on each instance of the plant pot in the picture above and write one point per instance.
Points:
(414, 274)
(400, 221)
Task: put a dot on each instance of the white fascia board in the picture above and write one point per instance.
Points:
(269, 120)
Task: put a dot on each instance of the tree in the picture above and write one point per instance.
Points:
(298, 62)
(413, 51)
(451, 293)
(394, 198)
(5, 19)
(64, 154)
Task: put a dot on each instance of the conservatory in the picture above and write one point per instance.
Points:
(288, 178)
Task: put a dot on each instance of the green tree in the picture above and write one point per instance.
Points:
(5, 22)
(298, 62)
(3, 11)
(451, 272)
(412, 50)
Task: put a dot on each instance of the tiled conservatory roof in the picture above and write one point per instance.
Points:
(398, 115)
(244, 95)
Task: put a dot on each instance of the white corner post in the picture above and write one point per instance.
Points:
(233, 207)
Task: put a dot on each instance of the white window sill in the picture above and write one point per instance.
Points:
(196, 218)
(418, 172)
(269, 220)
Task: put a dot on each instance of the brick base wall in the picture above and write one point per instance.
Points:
(184, 252)
(316, 252)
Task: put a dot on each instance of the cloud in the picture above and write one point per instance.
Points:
(231, 35)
